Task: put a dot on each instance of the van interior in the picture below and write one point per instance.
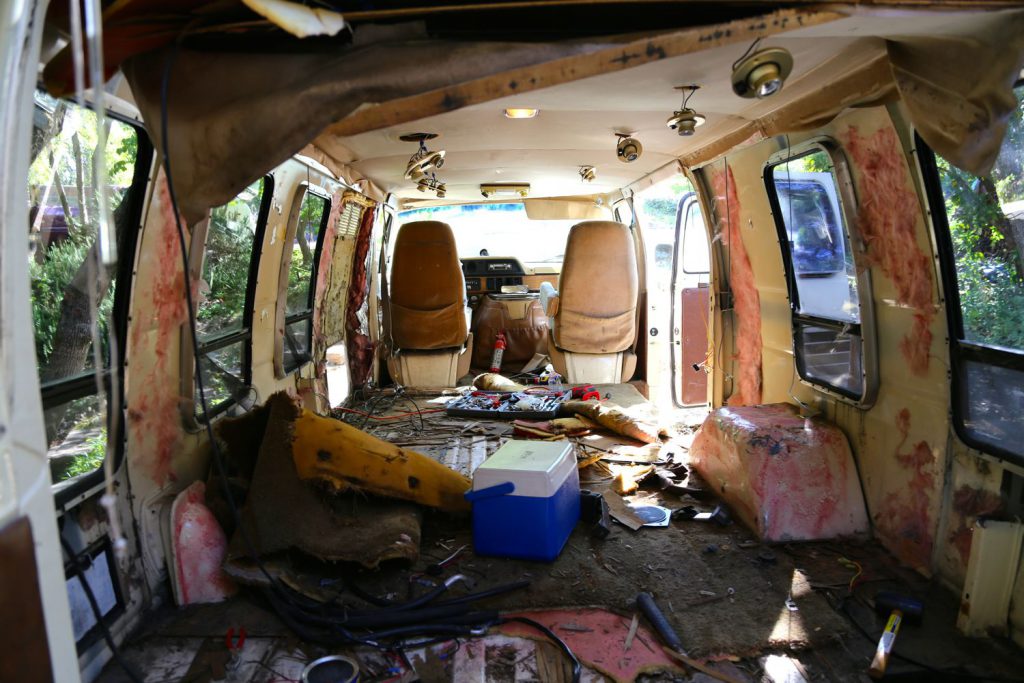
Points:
(512, 341)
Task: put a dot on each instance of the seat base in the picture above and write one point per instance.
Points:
(592, 368)
(441, 368)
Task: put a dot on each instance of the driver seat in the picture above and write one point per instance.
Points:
(425, 315)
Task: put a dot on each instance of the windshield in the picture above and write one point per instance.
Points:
(499, 230)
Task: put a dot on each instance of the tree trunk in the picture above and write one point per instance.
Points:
(300, 237)
(1009, 246)
(73, 336)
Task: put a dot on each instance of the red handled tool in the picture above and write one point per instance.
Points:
(585, 393)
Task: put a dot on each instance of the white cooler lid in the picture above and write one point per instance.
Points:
(537, 468)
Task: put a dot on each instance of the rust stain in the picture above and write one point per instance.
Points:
(746, 299)
(887, 221)
(904, 519)
(969, 503)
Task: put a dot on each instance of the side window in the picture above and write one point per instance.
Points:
(696, 258)
(314, 213)
(234, 239)
(63, 218)
(825, 289)
(981, 239)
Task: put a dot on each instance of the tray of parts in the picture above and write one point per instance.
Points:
(501, 405)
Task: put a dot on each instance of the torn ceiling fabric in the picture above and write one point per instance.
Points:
(958, 90)
(229, 120)
(226, 127)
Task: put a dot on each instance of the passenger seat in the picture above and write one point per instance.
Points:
(425, 315)
(594, 316)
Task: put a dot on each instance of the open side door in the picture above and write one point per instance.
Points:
(691, 276)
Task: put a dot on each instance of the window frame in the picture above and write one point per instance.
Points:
(961, 350)
(83, 385)
(865, 329)
(303, 190)
(683, 225)
(197, 256)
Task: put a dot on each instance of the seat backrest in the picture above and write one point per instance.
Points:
(597, 290)
(427, 293)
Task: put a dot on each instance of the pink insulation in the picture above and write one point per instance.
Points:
(154, 412)
(323, 278)
(746, 300)
(786, 477)
(903, 521)
(199, 547)
(888, 215)
(360, 348)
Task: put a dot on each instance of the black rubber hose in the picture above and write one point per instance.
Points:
(577, 669)
(427, 598)
(483, 595)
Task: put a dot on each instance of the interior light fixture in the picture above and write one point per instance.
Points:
(588, 174)
(505, 190)
(521, 113)
(685, 120)
(628, 148)
(762, 73)
(422, 160)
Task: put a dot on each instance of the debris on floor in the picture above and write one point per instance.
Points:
(357, 559)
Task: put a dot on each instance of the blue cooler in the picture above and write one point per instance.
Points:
(526, 500)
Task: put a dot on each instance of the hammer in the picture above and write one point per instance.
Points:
(900, 607)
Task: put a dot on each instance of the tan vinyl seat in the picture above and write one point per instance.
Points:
(425, 309)
(594, 321)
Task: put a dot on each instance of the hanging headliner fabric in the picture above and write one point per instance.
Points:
(232, 116)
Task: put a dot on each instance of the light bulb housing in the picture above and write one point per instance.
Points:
(762, 73)
(685, 121)
(521, 113)
(628, 149)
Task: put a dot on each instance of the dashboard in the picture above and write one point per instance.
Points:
(487, 275)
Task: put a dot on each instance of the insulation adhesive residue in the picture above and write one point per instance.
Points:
(154, 417)
(968, 504)
(887, 220)
(904, 519)
(323, 280)
(746, 300)
(360, 348)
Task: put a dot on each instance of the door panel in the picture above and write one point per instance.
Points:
(690, 290)
(694, 336)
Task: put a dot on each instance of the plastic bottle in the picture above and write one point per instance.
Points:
(554, 382)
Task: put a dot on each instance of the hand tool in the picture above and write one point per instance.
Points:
(585, 392)
(900, 607)
(673, 646)
(720, 515)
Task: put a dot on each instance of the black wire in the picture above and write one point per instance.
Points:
(77, 566)
(577, 670)
(217, 455)
(744, 55)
